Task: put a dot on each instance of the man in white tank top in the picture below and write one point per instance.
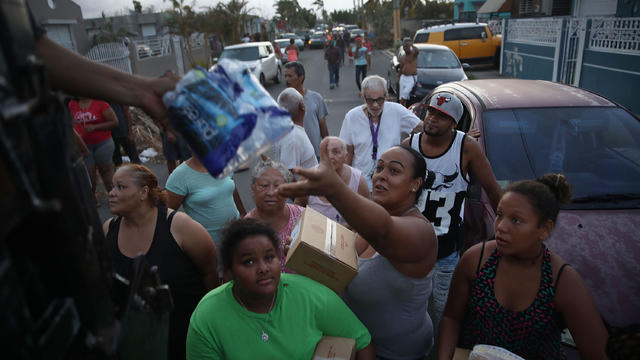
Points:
(450, 157)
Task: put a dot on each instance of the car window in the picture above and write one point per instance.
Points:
(263, 51)
(597, 149)
(421, 38)
(438, 59)
(453, 34)
(243, 54)
(471, 32)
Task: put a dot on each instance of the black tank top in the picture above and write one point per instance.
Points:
(175, 269)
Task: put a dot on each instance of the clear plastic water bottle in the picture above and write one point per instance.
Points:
(226, 116)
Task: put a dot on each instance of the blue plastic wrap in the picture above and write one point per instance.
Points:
(226, 116)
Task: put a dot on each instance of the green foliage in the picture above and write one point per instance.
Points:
(380, 16)
(290, 12)
(137, 6)
(227, 20)
(106, 33)
(309, 17)
(433, 10)
(343, 16)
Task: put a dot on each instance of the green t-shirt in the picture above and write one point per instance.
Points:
(304, 311)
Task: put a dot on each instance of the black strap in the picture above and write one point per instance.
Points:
(558, 277)
(480, 260)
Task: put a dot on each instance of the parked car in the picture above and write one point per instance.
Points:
(471, 42)
(530, 128)
(357, 33)
(144, 51)
(259, 57)
(304, 36)
(283, 43)
(317, 40)
(298, 41)
(437, 65)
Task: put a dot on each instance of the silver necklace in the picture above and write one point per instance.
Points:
(264, 336)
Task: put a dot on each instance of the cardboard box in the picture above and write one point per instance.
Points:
(461, 354)
(323, 250)
(335, 348)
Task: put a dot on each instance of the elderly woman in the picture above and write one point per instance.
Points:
(271, 208)
(180, 247)
(337, 150)
(396, 248)
(517, 282)
(262, 314)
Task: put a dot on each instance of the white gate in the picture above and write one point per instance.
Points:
(113, 54)
(574, 39)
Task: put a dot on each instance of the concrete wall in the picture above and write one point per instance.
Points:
(66, 12)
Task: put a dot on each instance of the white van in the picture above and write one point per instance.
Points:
(259, 57)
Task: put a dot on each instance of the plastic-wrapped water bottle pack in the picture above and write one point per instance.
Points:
(226, 116)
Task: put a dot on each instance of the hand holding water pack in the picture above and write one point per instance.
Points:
(226, 116)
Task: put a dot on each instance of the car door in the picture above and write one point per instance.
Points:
(451, 39)
(264, 62)
(272, 60)
(473, 43)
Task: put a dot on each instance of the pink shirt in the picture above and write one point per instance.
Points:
(295, 212)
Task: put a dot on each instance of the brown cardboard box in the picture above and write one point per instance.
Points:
(461, 354)
(335, 348)
(323, 250)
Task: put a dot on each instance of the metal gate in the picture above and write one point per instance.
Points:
(113, 54)
(574, 39)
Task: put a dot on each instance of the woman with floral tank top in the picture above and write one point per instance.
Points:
(509, 292)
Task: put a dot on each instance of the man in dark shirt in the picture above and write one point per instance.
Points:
(122, 135)
(333, 56)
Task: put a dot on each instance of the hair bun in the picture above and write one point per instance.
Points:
(559, 186)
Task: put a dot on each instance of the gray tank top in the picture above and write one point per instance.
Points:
(393, 307)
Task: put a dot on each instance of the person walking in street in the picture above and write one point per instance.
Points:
(451, 159)
(294, 149)
(315, 123)
(340, 45)
(292, 51)
(370, 129)
(362, 60)
(408, 70)
(514, 292)
(332, 55)
(122, 135)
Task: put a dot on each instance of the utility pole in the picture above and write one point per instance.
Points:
(396, 21)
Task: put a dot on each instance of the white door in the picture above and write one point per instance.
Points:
(62, 35)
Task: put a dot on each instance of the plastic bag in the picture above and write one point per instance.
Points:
(490, 352)
(226, 116)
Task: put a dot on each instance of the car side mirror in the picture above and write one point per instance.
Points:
(466, 66)
(484, 36)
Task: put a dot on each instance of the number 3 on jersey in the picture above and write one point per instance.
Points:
(438, 209)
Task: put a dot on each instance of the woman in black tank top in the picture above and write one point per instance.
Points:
(180, 247)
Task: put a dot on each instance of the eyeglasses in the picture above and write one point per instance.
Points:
(370, 101)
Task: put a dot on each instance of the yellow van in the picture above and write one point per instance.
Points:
(471, 42)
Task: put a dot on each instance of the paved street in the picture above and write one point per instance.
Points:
(339, 100)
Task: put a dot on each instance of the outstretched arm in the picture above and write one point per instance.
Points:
(399, 238)
(80, 76)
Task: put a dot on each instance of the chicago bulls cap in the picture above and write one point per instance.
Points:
(447, 103)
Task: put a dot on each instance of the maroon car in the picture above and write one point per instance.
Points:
(530, 128)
